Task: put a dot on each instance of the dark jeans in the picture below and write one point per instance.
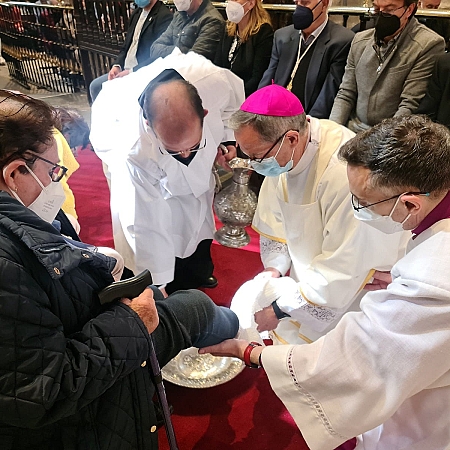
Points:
(190, 319)
(193, 271)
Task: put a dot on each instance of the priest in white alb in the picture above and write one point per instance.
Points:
(305, 221)
(383, 374)
(160, 153)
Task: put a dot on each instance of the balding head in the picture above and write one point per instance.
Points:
(174, 110)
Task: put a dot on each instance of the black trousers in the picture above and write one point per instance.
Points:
(193, 271)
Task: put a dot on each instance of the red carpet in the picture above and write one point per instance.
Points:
(243, 414)
(91, 192)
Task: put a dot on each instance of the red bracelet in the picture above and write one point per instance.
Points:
(247, 352)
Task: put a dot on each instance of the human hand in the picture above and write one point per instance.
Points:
(225, 154)
(115, 70)
(266, 319)
(230, 347)
(122, 74)
(144, 306)
(163, 290)
(380, 281)
(274, 273)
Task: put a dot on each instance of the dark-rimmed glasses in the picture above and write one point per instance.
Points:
(258, 160)
(56, 172)
(376, 12)
(357, 207)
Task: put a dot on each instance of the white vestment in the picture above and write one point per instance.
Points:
(330, 254)
(161, 208)
(383, 373)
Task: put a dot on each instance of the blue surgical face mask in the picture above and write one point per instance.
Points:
(269, 167)
(142, 3)
(385, 224)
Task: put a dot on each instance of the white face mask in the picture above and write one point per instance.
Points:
(235, 11)
(182, 5)
(385, 224)
(48, 202)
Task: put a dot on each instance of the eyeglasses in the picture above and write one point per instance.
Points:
(258, 160)
(376, 12)
(200, 146)
(357, 206)
(57, 171)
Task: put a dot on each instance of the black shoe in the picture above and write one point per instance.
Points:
(210, 282)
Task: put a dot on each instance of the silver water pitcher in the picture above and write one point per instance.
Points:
(235, 206)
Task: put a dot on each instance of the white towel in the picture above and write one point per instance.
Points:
(253, 296)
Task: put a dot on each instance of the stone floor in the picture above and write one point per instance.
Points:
(76, 101)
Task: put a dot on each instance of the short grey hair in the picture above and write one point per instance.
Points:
(269, 128)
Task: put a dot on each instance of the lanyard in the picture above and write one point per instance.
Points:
(382, 58)
(299, 58)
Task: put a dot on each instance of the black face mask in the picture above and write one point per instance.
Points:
(386, 25)
(303, 17)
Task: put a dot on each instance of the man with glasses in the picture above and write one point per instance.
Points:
(305, 221)
(388, 67)
(160, 145)
(383, 374)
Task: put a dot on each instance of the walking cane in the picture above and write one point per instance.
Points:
(130, 288)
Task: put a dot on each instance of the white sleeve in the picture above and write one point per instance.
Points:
(358, 375)
(317, 317)
(222, 94)
(285, 291)
(274, 254)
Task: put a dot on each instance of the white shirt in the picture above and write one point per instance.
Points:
(315, 34)
(130, 59)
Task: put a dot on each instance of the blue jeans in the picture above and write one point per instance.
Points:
(96, 86)
(190, 319)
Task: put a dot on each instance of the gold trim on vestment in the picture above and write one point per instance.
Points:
(273, 238)
(366, 280)
(300, 335)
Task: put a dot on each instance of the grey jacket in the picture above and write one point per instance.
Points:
(199, 33)
(366, 97)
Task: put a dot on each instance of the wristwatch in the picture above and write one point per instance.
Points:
(280, 314)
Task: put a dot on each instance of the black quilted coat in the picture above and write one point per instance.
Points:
(70, 371)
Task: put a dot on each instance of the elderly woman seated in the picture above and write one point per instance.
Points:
(74, 373)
